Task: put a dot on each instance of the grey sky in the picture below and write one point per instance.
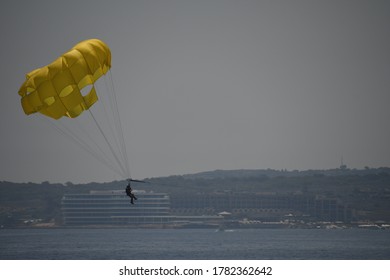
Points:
(206, 85)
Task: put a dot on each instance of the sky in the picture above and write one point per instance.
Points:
(204, 85)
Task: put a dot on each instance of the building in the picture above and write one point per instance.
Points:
(263, 206)
(111, 208)
(114, 208)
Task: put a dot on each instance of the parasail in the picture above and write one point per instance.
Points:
(67, 88)
(55, 89)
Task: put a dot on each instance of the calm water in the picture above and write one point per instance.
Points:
(141, 244)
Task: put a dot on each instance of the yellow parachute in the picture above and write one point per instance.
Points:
(55, 89)
(66, 87)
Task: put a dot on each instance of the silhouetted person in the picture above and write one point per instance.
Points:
(130, 194)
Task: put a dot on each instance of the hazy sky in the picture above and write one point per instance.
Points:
(206, 85)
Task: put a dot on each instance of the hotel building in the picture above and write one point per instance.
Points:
(114, 208)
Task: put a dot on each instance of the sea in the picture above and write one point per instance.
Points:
(194, 244)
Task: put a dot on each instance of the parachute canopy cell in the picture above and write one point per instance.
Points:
(55, 89)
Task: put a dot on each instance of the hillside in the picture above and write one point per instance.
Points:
(365, 191)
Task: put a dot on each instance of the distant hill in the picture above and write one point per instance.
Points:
(366, 191)
(271, 173)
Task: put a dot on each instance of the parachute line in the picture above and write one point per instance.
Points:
(109, 124)
(109, 144)
(119, 126)
(65, 131)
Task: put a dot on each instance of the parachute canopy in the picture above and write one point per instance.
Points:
(55, 89)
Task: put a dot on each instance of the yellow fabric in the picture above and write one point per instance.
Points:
(54, 90)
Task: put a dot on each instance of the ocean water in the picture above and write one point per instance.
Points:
(190, 244)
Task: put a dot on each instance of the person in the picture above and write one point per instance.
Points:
(130, 194)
